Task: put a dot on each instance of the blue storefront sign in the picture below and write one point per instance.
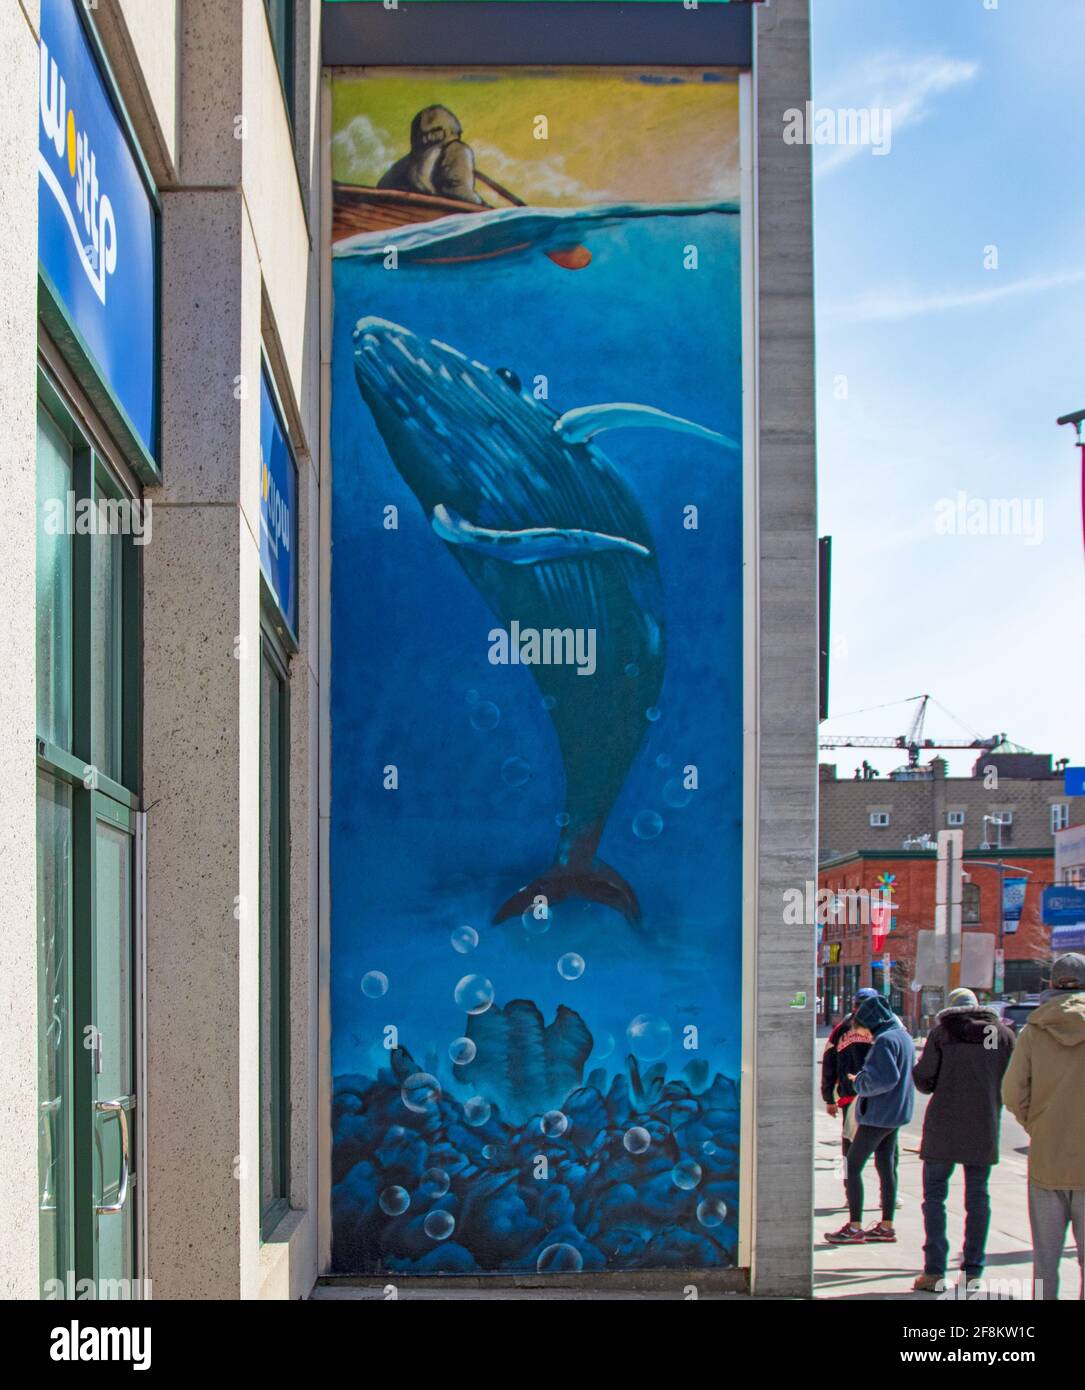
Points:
(1074, 784)
(278, 507)
(1068, 938)
(97, 231)
(1063, 906)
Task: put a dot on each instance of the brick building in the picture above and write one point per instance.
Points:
(846, 958)
(1012, 798)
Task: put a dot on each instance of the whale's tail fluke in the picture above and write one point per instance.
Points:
(596, 882)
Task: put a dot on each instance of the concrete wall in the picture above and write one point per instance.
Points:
(238, 275)
(788, 660)
(143, 36)
(18, 873)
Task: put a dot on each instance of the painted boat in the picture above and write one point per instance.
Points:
(357, 208)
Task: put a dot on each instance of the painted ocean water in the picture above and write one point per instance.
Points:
(607, 1047)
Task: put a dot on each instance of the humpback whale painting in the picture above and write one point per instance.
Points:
(536, 873)
(556, 538)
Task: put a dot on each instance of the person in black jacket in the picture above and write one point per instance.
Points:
(961, 1069)
(845, 1052)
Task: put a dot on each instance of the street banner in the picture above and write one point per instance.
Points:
(1013, 902)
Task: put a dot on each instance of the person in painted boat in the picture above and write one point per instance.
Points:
(439, 163)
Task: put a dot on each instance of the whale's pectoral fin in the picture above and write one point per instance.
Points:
(533, 546)
(579, 425)
(596, 882)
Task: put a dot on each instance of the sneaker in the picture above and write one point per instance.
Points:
(849, 1234)
(930, 1283)
(880, 1231)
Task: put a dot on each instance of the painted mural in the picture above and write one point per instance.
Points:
(536, 687)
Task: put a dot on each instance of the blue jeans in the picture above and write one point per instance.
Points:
(977, 1217)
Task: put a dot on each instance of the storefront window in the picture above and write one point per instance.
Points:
(280, 15)
(86, 820)
(54, 583)
(54, 1031)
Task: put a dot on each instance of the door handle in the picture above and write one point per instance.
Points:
(119, 1108)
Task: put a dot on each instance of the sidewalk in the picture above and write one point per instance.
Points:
(887, 1271)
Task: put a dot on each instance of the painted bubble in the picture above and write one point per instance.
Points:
(464, 939)
(472, 697)
(474, 994)
(708, 1147)
(515, 772)
(476, 1111)
(686, 1174)
(421, 1092)
(374, 984)
(485, 716)
(462, 1051)
(647, 825)
(663, 760)
(437, 1180)
(562, 818)
(604, 1046)
(632, 669)
(489, 1151)
(571, 966)
(548, 702)
(439, 1225)
(554, 1123)
(535, 921)
(712, 1211)
(637, 1140)
(652, 713)
(394, 1201)
(676, 793)
(560, 1259)
(649, 1037)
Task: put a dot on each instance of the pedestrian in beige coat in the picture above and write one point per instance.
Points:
(1044, 1087)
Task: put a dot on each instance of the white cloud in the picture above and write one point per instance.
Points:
(889, 308)
(534, 178)
(906, 87)
(362, 151)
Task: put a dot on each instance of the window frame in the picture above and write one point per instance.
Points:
(274, 652)
(92, 796)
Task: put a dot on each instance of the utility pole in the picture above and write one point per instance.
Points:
(1077, 419)
(947, 904)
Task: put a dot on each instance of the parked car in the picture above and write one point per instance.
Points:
(1014, 1012)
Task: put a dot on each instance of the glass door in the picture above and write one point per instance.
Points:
(113, 1081)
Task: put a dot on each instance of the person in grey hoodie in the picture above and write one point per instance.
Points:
(1044, 1087)
(886, 1100)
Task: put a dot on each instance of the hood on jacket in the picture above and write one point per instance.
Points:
(968, 1024)
(876, 1015)
(1062, 1018)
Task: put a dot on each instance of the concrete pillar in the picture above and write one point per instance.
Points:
(201, 760)
(18, 872)
(788, 662)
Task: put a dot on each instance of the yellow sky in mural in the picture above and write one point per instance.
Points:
(614, 135)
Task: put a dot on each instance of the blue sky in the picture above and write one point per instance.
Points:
(954, 373)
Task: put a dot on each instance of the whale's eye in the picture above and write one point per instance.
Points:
(509, 377)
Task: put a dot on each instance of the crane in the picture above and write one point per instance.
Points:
(912, 741)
